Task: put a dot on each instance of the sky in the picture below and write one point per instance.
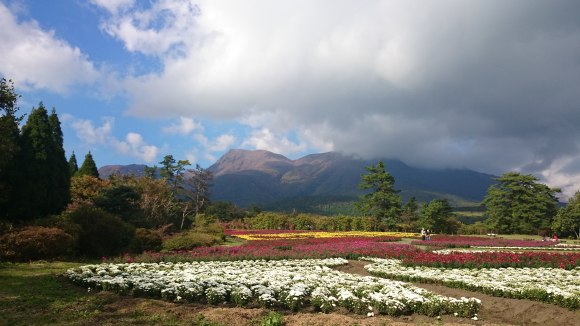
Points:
(488, 85)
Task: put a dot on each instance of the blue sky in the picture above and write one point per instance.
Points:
(487, 85)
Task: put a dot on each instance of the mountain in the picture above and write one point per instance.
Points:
(266, 179)
(325, 183)
(135, 169)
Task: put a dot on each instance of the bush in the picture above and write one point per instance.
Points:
(190, 240)
(35, 242)
(145, 240)
(102, 233)
(213, 229)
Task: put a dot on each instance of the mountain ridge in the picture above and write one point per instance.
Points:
(263, 178)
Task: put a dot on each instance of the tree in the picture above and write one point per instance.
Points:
(57, 162)
(173, 170)
(409, 215)
(45, 188)
(195, 191)
(519, 204)
(89, 167)
(383, 201)
(435, 215)
(73, 166)
(10, 173)
(568, 218)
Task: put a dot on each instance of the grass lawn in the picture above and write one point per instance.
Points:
(37, 294)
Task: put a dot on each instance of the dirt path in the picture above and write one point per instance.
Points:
(494, 310)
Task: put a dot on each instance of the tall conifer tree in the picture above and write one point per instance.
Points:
(59, 164)
(89, 167)
(73, 166)
(10, 175)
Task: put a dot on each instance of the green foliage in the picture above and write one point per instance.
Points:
(102, 233)
(383, 201)
(225, 211)
(44, 188)
(273, 318)
(435, 215)
(9, 146)
(73, 167)
(189, 240)
(269, 220)
(89, 167)
(145, 240)
(35, 242)
(173, 170)
(475, 228)
(123, 201)
(519, 204)
(568, 218)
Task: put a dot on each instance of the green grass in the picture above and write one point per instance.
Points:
(34, 294)
(233, 242)
(38, 294)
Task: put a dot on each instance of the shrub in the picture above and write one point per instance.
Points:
(35, 242)
(102, 233)
(213, 229)
(190, 240)
(145, 240)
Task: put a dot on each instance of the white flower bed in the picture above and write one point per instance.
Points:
(287, 283)
(551, 285)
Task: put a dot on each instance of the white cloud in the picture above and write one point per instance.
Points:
(164, 28)
(185, 127)
(133, 145)
(37, 59)
(113, 6)
(563, 173)
(209, 147)
(267, 140)
(91, 135)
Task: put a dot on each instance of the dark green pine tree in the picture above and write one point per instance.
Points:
(73, 167)
(59, 165)
(34, 199)
(383, 200)
(10, 173)
(89, 167)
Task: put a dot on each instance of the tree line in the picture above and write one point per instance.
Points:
(516, 203)
(50, 207)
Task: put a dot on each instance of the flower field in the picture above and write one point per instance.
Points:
(289, 284)
(291, 270)
(467, 242)
(493, 259)
(290, 234)
(553, 285)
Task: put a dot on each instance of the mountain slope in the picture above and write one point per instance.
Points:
(260, 177)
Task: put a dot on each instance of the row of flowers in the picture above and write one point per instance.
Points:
(493, 259)
(290, 284)
(349, 248)
(313, 234)
(466, 242)
(552, 285)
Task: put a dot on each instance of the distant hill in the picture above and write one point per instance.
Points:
(325, 183)
(267, 179)
(135, 169)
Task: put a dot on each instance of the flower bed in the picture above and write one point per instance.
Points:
(289, 284)
(467, 242)
(288, 234)
(349, 248)
(552, 285)
(493, 259)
